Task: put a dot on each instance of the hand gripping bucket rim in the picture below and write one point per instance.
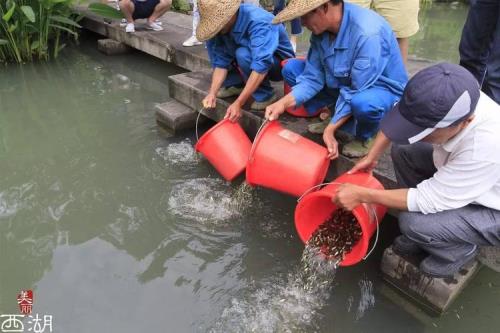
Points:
(365, 215)
(299, 111)
(237, 167)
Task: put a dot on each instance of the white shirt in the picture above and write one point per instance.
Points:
(468, 166)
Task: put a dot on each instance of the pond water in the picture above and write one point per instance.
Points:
(118, 226)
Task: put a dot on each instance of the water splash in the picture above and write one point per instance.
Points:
(203, 200)
(178, 153)
(284, 304)
(14, 199)
(242, 197)
(367, 297)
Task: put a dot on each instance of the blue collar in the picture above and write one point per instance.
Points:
(341, 42)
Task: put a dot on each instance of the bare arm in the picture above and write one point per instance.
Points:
(349, 196)
(252, 84)
(218, 77)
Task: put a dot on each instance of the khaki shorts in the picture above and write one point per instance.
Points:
(402, 15)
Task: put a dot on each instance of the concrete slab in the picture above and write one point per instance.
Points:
(165, 45)
(112, 47)
(175, 116)
(435, 295)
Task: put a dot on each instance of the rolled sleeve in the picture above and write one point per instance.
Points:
(264, 40)
(312, 80)
(368, 66)
(219, 57)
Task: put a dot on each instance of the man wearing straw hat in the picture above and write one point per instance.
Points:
(354, 64)
(445, 136)
(245, 50)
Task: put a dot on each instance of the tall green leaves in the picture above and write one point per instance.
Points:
(33, 29)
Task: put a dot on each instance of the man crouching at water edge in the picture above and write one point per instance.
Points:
(353, 63)
(244, 46)
(446, 155)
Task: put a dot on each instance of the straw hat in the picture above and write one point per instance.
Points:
(214, 15)
(297, 8)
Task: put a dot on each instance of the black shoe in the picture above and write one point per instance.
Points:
(404, 246)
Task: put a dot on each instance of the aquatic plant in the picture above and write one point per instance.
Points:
(35, 29)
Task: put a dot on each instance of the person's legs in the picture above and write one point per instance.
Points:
(293, 69)
(412, 163)
(244, 59)
(451, 238)
(402, 16)
(477, 36)
(491, 84)
(368, 107)
(127, 8)
(161, 8)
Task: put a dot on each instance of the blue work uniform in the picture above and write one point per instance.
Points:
(360, 72)
(254, 44)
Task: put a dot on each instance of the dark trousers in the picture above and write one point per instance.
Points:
(480, 45)
(449, 235)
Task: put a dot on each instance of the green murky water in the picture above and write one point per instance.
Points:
(118, 227)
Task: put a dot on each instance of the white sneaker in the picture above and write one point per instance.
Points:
(157, 21)
(294, 46)
(191, 41)
(153, 26)
(123, 23)
(130, 27)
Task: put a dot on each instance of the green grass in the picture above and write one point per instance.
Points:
(35, 29)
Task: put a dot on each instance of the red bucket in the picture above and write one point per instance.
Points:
(316, 207)
(227, 147)
(285, 161)
(297, 111)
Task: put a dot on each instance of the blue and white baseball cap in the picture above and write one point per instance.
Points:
(438, 96)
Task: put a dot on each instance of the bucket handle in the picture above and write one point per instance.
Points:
(252, 150)
(373, 212)
(197, 121)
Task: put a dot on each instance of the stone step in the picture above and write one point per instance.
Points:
(435, 295)
(175, 116)
(165, 45)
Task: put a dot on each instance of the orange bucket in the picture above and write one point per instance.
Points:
(315, 208)
(297, 111)
(227, 147)
(285, 161)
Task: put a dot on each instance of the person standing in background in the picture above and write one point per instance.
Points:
(402, 16)
(193, 41)
(480, 45)
(295, 23)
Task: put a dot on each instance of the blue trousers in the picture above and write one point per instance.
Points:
(480, 45)
(367, 106)
(295, 23)
(236, 77)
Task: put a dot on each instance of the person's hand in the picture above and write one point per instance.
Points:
(210, 101)
(366, 164)
(233, 112)
(331, 144)
(349, 196)
(274, 110)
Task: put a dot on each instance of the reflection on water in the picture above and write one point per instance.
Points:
(119, 227)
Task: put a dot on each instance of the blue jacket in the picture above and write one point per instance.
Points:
(253, 29)
(364, 54)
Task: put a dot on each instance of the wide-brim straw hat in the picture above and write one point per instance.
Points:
(214, 15)
(297, 8)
